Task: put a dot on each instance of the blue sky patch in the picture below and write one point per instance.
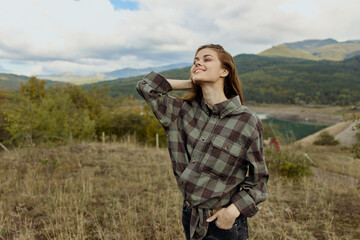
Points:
(124, 4)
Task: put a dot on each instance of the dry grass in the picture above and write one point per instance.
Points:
(91, 191)
(123, 191)
(335, 159)
(307, 210)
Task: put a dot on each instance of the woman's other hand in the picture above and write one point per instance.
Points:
(225, 217)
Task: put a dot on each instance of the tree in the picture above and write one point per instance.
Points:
(2, 97)
(23, 118)
(4, 135)
(62, 120)
(34, 89)
(41, 115)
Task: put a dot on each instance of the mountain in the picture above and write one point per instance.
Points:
(278, 80)
(9, 82)
(73, 78)
(310, 45)
(328, 49)
(121, 73)
(264, 80)
(130, 72)
(12, 82)
(302, 78)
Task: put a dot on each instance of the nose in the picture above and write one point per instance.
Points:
(197, 63)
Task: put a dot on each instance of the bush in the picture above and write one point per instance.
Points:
(325, 138)
(355, 150)
(287, 163)
(357, 135)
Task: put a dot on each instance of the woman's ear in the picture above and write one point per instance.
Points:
(224, 73)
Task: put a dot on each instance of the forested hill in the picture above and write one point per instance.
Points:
(12, 82)
(279, 80)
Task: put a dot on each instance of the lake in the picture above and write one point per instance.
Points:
(285, 127)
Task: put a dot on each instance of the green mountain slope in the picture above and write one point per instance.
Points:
(338, 51)
(12, 82)
(304, 81)
(284, 51)
(328, 49)
(280, 80)
(311, 44)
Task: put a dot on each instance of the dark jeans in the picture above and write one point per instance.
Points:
(239, 230)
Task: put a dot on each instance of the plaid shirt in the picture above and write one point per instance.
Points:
(217, 155)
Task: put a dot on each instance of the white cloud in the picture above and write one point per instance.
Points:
(36, 69)
(90, 36)
(306, 8)
(90, 65)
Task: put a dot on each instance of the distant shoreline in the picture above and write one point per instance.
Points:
(312, 114)
(329, 115)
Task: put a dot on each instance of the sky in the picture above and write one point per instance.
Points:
(43, 37)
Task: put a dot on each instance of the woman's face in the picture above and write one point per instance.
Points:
(207, 67)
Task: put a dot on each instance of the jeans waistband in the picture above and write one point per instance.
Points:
(211, 211)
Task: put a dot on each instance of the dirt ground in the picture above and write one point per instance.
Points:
(347, 136)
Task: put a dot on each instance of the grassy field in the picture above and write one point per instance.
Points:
(125, 191)
(335, 159)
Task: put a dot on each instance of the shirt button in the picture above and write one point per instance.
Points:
(194, 161)
(203, 139)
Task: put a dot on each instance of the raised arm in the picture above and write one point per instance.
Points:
(154, 89)
(180, 84)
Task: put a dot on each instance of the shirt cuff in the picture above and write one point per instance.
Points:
(245, 204)
(158, 82)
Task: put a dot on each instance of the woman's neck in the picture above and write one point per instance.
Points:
(213, 94)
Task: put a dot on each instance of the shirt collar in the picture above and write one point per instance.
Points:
(229, 106)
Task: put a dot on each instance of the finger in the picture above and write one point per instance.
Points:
(212, 218)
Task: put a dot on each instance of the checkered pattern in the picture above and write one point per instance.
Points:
(217, 155)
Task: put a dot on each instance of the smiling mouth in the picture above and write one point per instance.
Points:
(198, 71)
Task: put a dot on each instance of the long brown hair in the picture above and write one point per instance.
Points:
(232, 84)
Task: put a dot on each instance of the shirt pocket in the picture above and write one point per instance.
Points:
(224, 157)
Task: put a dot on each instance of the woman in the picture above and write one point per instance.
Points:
(215, 145)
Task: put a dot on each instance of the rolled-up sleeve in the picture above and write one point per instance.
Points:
(253, 189)
(154, 89)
